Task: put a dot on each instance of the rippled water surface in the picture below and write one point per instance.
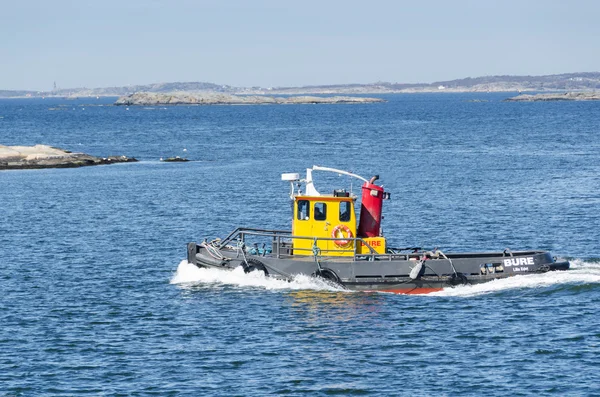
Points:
(98, 300)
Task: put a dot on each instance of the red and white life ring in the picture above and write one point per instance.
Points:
(343, 234)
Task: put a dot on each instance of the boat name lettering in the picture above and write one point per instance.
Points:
(373, 243)
(518, 261)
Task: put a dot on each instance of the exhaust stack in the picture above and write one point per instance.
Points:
(370, 209)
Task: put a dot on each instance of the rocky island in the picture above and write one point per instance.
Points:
(175, 159)
(43, 156)
(562, 96)
(187, 98)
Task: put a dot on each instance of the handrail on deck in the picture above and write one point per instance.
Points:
(278, 234)
(252, 231)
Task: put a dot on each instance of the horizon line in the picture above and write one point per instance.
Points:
(302, 86)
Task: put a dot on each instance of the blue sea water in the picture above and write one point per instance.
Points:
(97, 299)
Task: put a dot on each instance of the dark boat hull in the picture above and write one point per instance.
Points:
(393, 273)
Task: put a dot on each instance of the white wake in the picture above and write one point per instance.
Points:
(581, 272)
(189, 274)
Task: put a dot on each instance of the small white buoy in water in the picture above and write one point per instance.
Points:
(184, 149)
(161, 159)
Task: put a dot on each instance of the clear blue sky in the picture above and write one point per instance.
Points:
(289, 43)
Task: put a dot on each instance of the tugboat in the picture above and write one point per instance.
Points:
(329, 241)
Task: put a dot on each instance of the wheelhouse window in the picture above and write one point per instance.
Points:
(303, 210)
(345, 211)
(320, 211)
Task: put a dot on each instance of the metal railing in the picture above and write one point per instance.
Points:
(282, 236)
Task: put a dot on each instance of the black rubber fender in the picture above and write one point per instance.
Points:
(458, 279)
(329, 275)
(254, 264)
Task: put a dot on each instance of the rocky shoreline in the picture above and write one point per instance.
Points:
(43, 156)
(566, 96)
(183, 98)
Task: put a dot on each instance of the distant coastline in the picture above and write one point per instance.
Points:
(565, 96)
(179, 98)
(587, 81)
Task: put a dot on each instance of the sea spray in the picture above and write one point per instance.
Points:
(581, 272)
(189, 274)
